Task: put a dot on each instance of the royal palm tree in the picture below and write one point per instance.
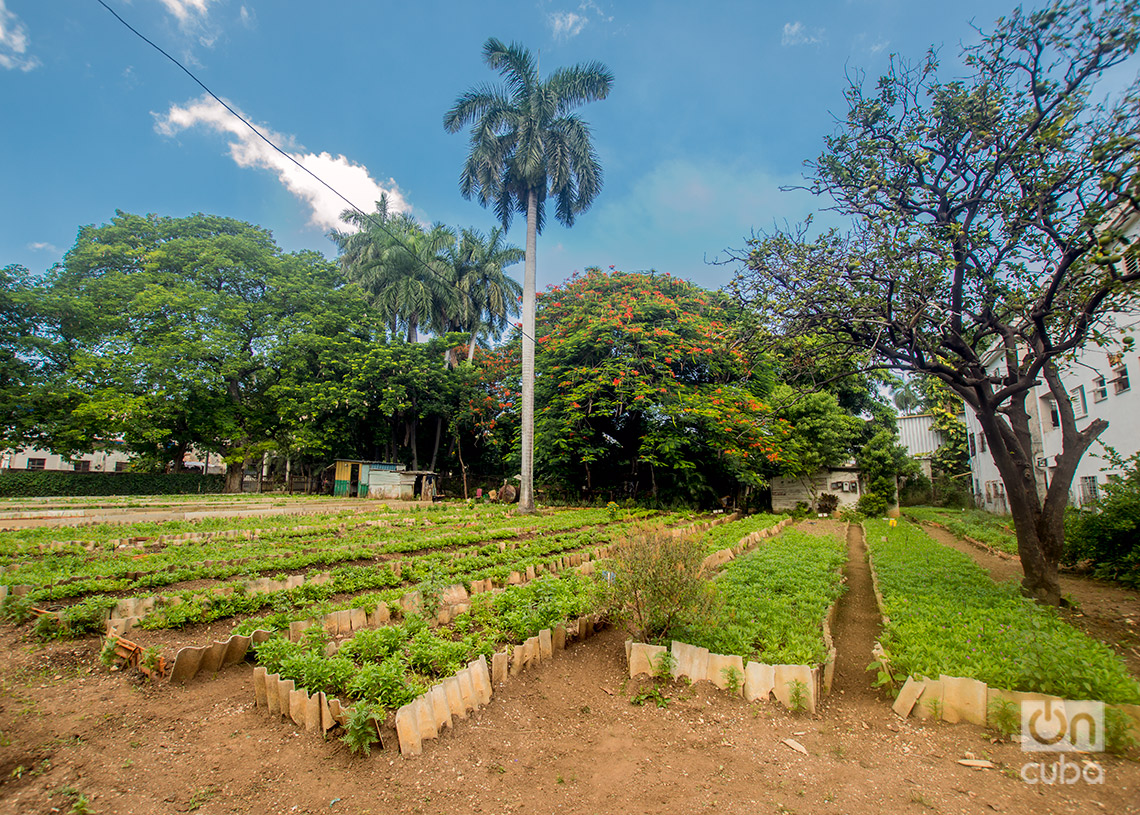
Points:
(488, 298)
(527, 145)
(402, 267)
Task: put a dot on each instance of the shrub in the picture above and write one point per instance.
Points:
(827, 503)
(384, 684)
(361, 732)
(657, 582)
(872, 505)
(1108, 535)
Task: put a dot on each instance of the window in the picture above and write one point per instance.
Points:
(1080, 404)
(1054, 414)
(982, 442)
(37, 463)
(1100, 389)
(82, 466)
(120, 466)
(973, 448)
(1120, 383)
(1090, 493)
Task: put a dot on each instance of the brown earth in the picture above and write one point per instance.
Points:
(561, 738)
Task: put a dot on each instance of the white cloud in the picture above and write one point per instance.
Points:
(798, 34)
(247, 150)
(187, 11)
(14, 43)
(247, 17)
(41, 246)
(566, 24)
(879, 46)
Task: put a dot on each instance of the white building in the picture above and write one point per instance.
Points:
(921, 440)
(102, 461)
(844, 482)
(1103, 380)
(1103, 383)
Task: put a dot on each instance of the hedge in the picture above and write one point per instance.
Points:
(45, 483)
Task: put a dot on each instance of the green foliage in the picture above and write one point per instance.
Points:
(361, 731)
(1118, 736)
(882, 460)
(107, 653)
(386, 684)
(652, 693)
(1004, 717)
(798, 696)
(664, 664)
(22, 484)
(827, 503)
(658, 585)
(948, 617)
(772, 601)
(733, 679)
(990, 529)
(16, 609)
(1108, 535)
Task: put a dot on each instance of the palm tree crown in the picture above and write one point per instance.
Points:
(524, 137)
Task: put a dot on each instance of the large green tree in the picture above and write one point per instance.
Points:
(987, 240)
(488, 297)
(173, 332)
(528, 145)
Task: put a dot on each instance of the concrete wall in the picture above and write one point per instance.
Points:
(787, 492)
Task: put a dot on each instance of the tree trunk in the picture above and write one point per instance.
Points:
(526, 487)
(435, 447)
(235, 477)
(1038, 520)
(462, 466)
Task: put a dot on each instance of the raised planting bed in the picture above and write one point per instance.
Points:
(771, 629)
(404, 663)
(945, 619)
(981, 528)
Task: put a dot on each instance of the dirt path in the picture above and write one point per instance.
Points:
(1107, 611)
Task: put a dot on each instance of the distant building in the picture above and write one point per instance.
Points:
(918, 436)
(843, 482)
(103, 461)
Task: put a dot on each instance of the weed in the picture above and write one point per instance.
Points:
(47, 627)
(917, 798)
(798, 695)
(839, 751)
(150, 658)
(665, 664)
(733, 678)
(1117, 737)
(652, 693)
(362, 730)
(81, 806)
(108, 656)
(199, 797)
(1004, 717)
(934, 708)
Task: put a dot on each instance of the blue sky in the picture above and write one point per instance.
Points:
(715, 105)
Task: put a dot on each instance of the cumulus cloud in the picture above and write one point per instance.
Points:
(798, 34)
(41, 246)
(566, 24)
(247, 150)
(14, 42)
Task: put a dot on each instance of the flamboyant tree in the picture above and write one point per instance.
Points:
(990, 218)
(645, 387)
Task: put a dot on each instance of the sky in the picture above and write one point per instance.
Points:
(715, 106)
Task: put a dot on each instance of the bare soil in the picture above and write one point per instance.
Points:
(561, 738)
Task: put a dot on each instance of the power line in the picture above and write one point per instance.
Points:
(377, 223)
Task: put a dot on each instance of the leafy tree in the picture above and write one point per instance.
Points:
(987, 239)
(526, 145)
(816, 432)
(21, 366)
(174, 331)
(645, 385)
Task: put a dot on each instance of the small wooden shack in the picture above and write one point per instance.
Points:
(383, 479)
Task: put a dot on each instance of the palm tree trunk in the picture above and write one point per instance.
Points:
(526, 488)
